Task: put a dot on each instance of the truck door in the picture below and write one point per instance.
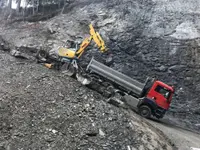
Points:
(161, 95)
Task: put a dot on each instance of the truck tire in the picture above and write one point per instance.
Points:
(145, 111)
(109, 90)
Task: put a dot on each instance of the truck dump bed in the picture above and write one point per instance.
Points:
(117, 77)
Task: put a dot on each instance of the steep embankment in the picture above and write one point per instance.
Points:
(42, 109)
(147, 38)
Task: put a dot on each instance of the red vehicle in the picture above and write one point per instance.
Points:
(150, 98)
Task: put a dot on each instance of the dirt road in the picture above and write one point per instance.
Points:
(183, 139)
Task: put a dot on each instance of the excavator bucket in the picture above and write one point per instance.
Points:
(97, 39)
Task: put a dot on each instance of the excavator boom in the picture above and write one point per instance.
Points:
(71, 54)
(83, 46)
(97, 39)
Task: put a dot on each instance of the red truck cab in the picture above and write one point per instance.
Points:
(161, 93)
(157, 100)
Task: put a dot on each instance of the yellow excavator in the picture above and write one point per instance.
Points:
(67, 57)
(73, 54)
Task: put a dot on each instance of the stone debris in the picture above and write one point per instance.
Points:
(148, 38)
(19, 54)
(51, 113)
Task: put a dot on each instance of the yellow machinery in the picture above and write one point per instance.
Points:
(72, 54)
(68, 56)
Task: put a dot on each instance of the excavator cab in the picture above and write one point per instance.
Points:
(66, 52)
(69, 49)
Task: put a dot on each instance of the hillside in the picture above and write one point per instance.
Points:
(156, 38)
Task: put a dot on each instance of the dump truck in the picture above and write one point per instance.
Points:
(151, 98)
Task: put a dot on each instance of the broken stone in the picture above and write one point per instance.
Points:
(60, 94)
(18, 54)
(162, 68)
(18, 134)
(48, 138)
(28, 86)
(92, 133)
(2, 46)
(54, 131)
(101, 132)
(198, 124)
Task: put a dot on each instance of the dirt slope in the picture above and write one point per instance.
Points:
(154, 38)
(148, 38)
(42, 109)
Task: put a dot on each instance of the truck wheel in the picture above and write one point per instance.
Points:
(108, 91)
(145, 111)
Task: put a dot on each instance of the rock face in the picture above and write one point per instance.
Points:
(147, 38)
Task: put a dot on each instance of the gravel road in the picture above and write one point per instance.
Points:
(184, 139)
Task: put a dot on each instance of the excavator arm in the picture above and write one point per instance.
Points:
(93, 36)
(83, 46)
(97, 39)
(71, 54)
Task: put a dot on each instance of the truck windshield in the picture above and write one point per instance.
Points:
(165, 92)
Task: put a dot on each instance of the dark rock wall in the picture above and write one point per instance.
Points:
(148, 38)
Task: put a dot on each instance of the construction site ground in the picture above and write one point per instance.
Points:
(43, 109)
